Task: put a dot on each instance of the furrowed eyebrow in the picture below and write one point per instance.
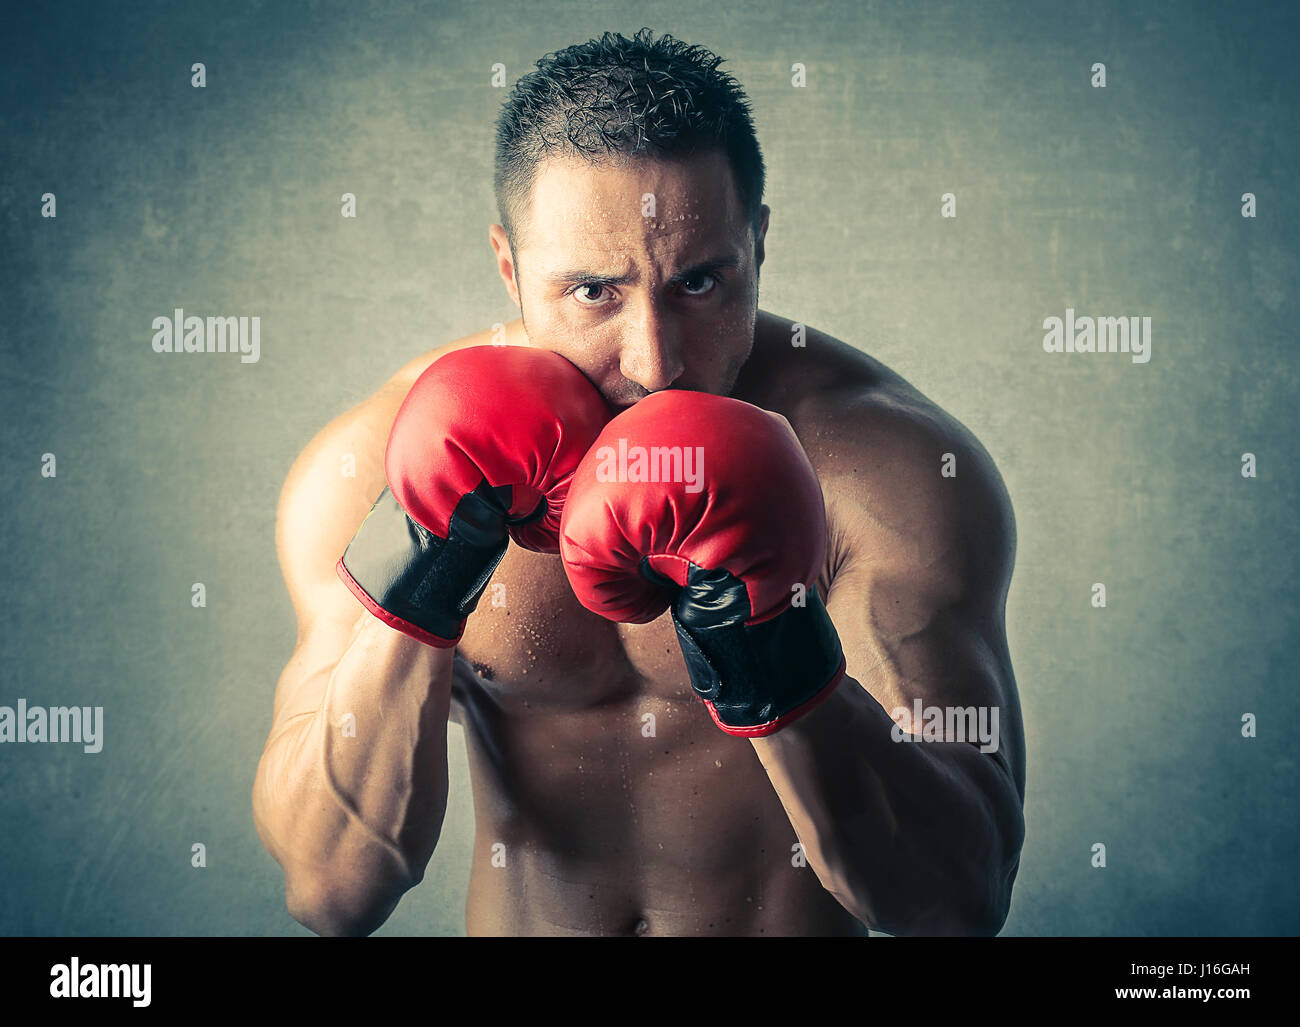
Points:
(580, 276)
(727, 263)
(585, 277)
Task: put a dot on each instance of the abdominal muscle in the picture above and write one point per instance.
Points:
(606, 800)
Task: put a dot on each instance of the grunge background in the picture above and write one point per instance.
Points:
(225, 200)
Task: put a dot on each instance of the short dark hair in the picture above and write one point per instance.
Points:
(615, 96)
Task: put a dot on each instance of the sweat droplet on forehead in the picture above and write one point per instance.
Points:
(602, 221)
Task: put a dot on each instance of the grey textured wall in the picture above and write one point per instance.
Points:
(1115, 201)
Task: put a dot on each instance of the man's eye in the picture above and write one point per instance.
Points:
(589, 301)
(705, 285)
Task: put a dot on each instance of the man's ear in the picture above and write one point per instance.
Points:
(759, 239)
(505, 261)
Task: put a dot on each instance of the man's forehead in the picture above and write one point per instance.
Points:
(650, 196)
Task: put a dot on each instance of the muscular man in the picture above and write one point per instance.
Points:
(607, 798)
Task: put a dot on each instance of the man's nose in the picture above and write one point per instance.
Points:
(651, 354)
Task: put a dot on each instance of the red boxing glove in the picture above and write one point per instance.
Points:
(709, 506)
(484, 446)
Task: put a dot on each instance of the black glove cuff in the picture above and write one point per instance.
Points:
(755, 679)
(418, 582)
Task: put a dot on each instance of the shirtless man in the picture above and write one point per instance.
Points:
(607, 800)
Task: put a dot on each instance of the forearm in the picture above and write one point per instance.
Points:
(920, 838)
(350, 796)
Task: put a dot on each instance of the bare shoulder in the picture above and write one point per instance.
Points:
(334, 482)
(901, 476)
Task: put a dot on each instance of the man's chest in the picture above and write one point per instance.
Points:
(535, 647)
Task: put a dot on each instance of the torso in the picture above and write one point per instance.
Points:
(599, 780)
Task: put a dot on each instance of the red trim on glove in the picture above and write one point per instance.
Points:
(772, 726)
(393, 621)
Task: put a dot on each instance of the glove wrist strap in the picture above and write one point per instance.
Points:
(417, 582)
(755, 678)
